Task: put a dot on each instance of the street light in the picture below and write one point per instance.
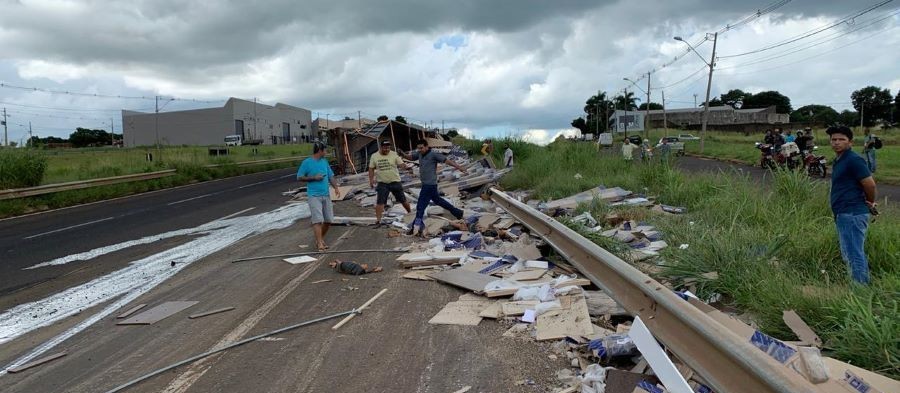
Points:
(711, 64)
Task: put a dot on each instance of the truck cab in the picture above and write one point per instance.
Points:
(233, 140)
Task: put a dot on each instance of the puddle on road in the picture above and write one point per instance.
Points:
(137, 278)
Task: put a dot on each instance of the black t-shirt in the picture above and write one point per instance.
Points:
(353, 268)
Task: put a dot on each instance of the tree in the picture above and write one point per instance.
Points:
(621, 101)
(581, 125)
(598, 109)
(713, 102)
(896, 111)
(735, 98)
(453, 133)
(653, 106)
(400, 119)
(848, 118)
(815, 113)
(383, 118)
(874, 103)
(766, 99)
(83, 137)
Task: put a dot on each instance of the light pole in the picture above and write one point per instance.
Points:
(711, 63)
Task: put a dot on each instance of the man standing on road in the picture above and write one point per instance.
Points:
(428, 161)
(317, 174)
(869, 150)
(852, 199)
(507, 157)
(383, 166)
(628, 150)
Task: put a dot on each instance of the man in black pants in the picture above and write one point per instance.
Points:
(428, 161)
(383, 166)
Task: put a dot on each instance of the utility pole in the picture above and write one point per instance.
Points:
(647, 113)
(665, 122)
(359, 119)
(712, 64)
(862, 112)
(625, 104)
(442, 126)
(30, 134)
(156, 126)
(5, 129)
(112, 132)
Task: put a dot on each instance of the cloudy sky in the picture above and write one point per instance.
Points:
(490, 68)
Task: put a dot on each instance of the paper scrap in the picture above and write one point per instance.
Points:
(529, 316)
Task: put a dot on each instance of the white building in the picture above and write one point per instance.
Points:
(278, 124)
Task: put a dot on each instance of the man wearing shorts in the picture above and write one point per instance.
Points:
(317, 174)
(383, 167)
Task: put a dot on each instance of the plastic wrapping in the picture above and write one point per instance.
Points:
(614, 345)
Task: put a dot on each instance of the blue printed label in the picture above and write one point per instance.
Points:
(775, 348)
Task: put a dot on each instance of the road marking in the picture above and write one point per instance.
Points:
(191, 199)
(132, 281)
(67, 228)
(238, 213)
(186, 379)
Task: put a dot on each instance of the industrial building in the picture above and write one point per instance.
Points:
(720, 118)
(265, 124)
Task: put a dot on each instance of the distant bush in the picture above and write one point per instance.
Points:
(21, 168)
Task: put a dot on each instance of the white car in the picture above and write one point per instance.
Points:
(233, 140)
(688, 137)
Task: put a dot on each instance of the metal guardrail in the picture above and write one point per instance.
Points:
(76, 185)
(727, 362)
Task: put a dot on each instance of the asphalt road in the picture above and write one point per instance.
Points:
(694, 164)
(32, 239)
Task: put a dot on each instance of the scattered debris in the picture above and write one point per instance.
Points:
(157, 313)
(211, 312)
(35, 363)
(131, 311)
(299, 260)
(353, 268)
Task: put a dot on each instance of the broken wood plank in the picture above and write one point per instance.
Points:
(37, 362)
(800, 328)
(359, 310)
(571, 321)
(210, 312)
(660, 363)
(464, 279)
(320, 281)
(600, 303)
(494, 311)
(131, 311)
(418, 275)
(518, 307)
(461, 312)
(158, 313)
(527, 275)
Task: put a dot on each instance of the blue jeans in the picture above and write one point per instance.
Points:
(870, 159)
(428, 194)
(851, 230)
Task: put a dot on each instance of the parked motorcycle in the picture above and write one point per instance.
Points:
(815, 165)
(788, 156)
(766, 157)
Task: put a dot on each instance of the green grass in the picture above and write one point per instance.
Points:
(738, 146)
(21, 168)
(774, 248)
(65, 165)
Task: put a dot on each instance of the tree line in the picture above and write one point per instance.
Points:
(874, 103)
(82, 137)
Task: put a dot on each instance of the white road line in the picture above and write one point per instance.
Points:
(238, 213)
(264, 181)
(67, 228)
(191, 199)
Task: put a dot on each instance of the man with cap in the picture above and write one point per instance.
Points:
(317, 174)
(383, 167)
(428, 160)
(852, 201)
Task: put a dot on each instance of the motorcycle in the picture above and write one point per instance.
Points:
(766, 158)
(815, 165)
(788, 156)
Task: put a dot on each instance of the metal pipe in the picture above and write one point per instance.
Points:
(229, 346)
(728, 362)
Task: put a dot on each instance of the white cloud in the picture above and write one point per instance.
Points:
(543, 137)
(532, 69)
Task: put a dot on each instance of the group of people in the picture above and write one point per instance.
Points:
(852, 198)
(777, 137)
(646, 150)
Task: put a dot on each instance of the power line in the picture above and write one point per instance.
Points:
(829, 38)
(98, 95)
(71, 109)
(681, 80)
(810, 33)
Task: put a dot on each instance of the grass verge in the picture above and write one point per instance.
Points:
(774, 246)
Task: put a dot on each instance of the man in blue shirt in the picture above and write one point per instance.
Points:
(852, 199)
(317, 174)
(428, 160)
